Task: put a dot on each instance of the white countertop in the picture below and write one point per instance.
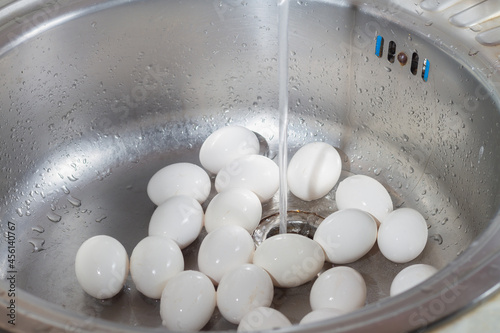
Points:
(482, 318)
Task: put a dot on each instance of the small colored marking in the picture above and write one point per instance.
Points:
(425, 70)
(378, 46)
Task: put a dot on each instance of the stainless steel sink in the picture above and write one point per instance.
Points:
(96, 96)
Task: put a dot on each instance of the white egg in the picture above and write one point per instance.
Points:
(321, 314)
(187, 302)
(257, 173)
(410, 276)
(341, 288)
(101, 266)
(223, 249)
(263, 318)
(313, 171)
(403, 235)
(365, 193)
(179, 218)
(179, 179)
(154, 260)
(290, 259)
(236, 206)
(346, 235)
(243, 289)
(227, 144)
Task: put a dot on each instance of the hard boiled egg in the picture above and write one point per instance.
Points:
(313, 171)
(403, 235)
(346, 235)
(256, 173)
(410, 277)
(243, 289)
(101, 266)
(179, 218)
(223, 249)
(179, 179)
(227, 144)
(290, 259)
(154, 260)
(341, 288)
(365, 193)
(263, 318)
(235, 206)
(187, 302)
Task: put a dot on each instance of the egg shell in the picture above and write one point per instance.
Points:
(154, 260)
(187, 302)
(365, 193)
(411, 276)
(403, 235)
(263, 318)
(235, 206)
(179, 218)
(256, 173)
(243, 289)
(290, 259)
(223, 249)
(320, 315)
(314, 170)
(341, 288)
(346, 235)
(179, 179)
(101, 266)
(227, 144)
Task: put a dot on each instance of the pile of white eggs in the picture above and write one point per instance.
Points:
(232, 274)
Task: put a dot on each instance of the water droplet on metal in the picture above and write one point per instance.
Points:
(74, 201)
(19, 212)
(72, 178)
(438, 238)
(54, 217)
(473, 52)
(65, 189)
(100, 219)
(38, 229)
(37, 244)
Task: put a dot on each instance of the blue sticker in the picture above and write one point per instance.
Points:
(425, 74)
(378, 46)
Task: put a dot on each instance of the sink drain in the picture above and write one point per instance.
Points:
(299, 222)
